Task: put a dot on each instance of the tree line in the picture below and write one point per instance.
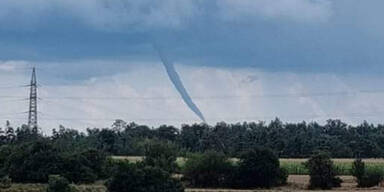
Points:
(68, 157)
(287, 140)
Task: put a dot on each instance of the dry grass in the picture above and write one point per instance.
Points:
(91, 188)
(43, 187)
(128, 158)
(300, 183)
(25, 188)
(343, 166)
(180, 160)
(139, 158)
(295, 183)
(336, 160)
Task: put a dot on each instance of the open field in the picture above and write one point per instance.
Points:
(295, 166)
(343, 166)
(295, 183)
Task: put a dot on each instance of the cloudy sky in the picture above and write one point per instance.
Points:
(243, 60)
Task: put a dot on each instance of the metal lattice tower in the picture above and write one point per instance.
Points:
(32, 117)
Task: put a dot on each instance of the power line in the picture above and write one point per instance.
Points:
(11, 114)
(11, 87)
(32, 120)
(218, 97)
(335, 116)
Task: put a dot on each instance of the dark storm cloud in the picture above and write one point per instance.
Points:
(282, 35)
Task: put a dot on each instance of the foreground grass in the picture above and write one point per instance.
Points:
(25, 188)
(43, 188)
(295, 183)
(294, 166)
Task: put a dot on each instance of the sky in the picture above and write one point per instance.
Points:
(245, 60)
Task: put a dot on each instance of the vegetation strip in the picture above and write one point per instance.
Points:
(294, 166)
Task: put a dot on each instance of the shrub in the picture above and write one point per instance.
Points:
(133, 177)
(5, 152)
(56, 183)
(364, 177)
(162, 155)
(371, 178)
(109, 167)
(322, 172)
(33, 162)
(282, 177)
(358, 170)
(5, 182)
(211, 169)
(259, 168)
(84, 166)
(95, 160)
(76, 171)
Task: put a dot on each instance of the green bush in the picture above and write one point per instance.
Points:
(84, 166)
(108, 168)
(162, 155)
(282, 177)
(136, 177)
(33, 162)
(259, 168)
(210, 169)
(364, 177)
(358, 170)
(76, 171)
(322, 172)
(5, 182)
(371, 178)
(56, 183)
(5, 152)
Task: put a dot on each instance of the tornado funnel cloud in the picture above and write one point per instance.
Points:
(175, 78)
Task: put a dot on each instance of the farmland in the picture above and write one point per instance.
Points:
(294, 166)
(343, 166)
(297, 181)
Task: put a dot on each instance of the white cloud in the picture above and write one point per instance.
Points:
(145, 95)
(8, 66)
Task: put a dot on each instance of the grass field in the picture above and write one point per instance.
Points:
(295, 166)
(343, 166)
(297, 181)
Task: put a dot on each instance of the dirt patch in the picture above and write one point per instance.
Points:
(300, 183)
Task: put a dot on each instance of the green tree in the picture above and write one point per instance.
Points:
(32, 162)
(162, 155)
(358, 170)
(131, 177)
(210, 169)
(322, 172)
(10, 133)
(366, 178)
(258, 168)
(107, 140)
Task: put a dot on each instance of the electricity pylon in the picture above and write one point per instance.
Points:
(32, 117)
